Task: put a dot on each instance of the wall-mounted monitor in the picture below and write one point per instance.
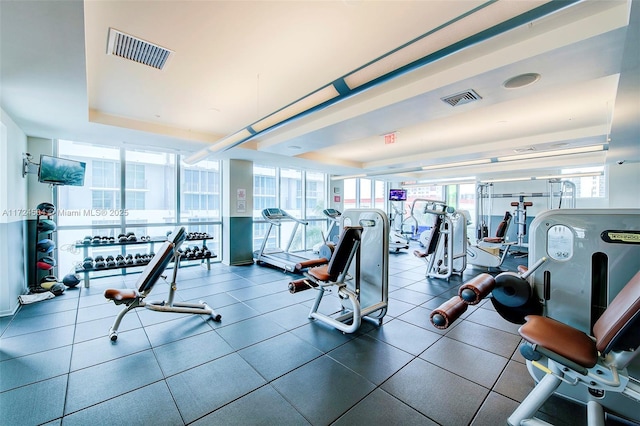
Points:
(397, 195)
(61, 171)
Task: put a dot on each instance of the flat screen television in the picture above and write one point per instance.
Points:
(61, 171)
(397, 195)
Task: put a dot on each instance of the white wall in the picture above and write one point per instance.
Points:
(624, 186)
(13, 203)
(38, 192)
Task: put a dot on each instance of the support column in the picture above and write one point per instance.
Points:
(237, 213)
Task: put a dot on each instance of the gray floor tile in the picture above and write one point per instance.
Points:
(380, 408)
(398, 307)
(374, 360)
(405, 336)
(39, 323)
(104, 381)
(271, 302)
(96, 351)
(65, 302)
(495, 410)
(100, 328)
(515, 381)
(463, 360)
(203, 389)
(322, 336)
(323, 389)
(290, 317)
(263, 406)
(190, 352)
(232, 314)
(33, 368)
(250, 331)
(279, 355)
(487, 338)
(34, 404)
(493, 319)
(26, 344)
(438, 394)
(409, 296)
(154, 404)
(170, 331)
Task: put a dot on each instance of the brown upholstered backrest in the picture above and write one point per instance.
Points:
(350, 235)
(619, 326)
(503, 225)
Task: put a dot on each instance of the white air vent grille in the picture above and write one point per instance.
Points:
(462, 98)
(137, 50)
(522, 150)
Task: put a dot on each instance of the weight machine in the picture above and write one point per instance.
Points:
(585, 283)
(358, 270)
(446, 242)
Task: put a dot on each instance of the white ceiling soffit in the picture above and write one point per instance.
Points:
(475, 26)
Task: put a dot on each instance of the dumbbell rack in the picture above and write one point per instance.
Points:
(40, 273)
(159, 240)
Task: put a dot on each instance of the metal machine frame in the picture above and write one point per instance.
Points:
(591, 254)
(450, 254)
(363, 287)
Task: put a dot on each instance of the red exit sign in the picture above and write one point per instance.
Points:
(390, 138)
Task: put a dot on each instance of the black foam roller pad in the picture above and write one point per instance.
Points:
(476, 289)
(511, 290)
(443, 316)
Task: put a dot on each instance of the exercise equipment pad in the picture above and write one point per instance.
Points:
(443, 316)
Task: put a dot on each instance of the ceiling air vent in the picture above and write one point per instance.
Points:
(137, 50)
(462, 98)
(522, 150)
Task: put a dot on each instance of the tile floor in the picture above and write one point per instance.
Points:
(265, 363)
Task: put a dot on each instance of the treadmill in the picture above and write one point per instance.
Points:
(278, 257)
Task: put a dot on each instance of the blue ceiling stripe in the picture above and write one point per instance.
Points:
(341, 87)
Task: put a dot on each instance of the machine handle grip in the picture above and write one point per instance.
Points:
(532, 269)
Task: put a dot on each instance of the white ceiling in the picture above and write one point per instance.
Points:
(236, 62)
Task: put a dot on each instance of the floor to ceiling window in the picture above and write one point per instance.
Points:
(301, 194)
(133, 191)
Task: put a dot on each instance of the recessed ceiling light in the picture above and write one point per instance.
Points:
(521, 80)
(294, 147)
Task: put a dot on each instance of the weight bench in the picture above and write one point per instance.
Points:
(575, 358)
(152, 272)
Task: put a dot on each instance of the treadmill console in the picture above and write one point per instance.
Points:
(332, 213)
(273, 213)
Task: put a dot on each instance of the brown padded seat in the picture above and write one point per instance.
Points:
(560, 338)
(120, 295)
(321, 273)
(576, 345)
(330, 272)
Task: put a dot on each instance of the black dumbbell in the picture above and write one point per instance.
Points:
(87, 263)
